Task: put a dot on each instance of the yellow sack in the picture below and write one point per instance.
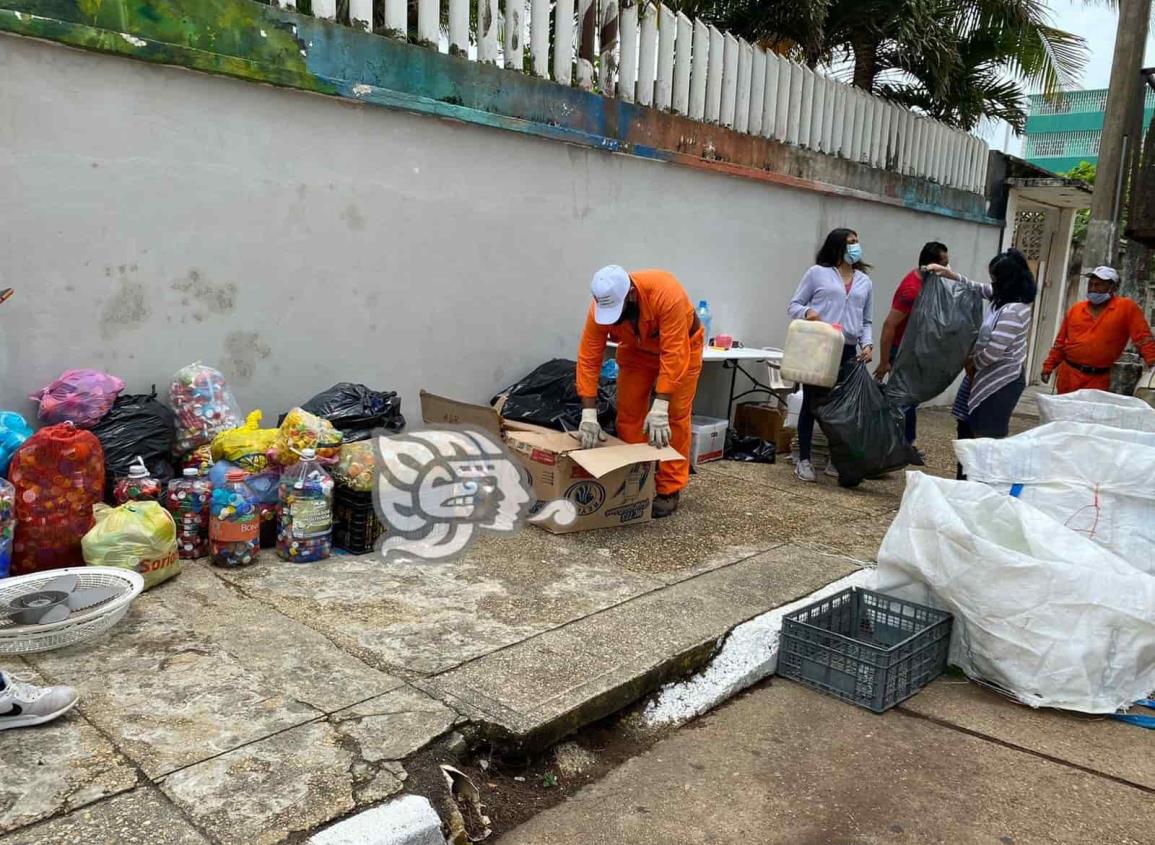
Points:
(246, 446)
(356, 466)
(140, 536)
(301, 430)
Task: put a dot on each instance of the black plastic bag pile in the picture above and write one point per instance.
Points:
(137, 425)
(865, 429)
(752, 450)
(942, 330)
(355, 410)
(548, 397)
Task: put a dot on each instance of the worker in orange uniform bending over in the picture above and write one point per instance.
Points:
(1094, 335)
(660, 342)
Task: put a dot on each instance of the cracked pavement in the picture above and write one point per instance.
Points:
(255, 705)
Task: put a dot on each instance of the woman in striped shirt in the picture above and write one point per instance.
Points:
(996, 377)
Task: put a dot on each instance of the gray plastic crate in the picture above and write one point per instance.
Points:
(866, 648)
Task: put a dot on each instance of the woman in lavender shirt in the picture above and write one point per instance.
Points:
(835, 290)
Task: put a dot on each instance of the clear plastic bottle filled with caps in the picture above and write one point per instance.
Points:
(305, 511)
(138, 486)
(187, 499)
(234, 524)
(7, 526)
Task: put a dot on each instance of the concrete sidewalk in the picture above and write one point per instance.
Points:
(252, 705)
(957, 764)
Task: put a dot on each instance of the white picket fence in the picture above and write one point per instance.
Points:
(652, 56)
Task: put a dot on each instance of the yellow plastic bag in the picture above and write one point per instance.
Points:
(140, 536)
(356, 466)
(246, 446)
(301, 430)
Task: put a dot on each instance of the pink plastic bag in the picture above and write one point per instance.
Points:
(81, 397)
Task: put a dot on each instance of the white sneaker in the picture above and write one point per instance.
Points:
(831, 471)
(804, 471)
(23, 704)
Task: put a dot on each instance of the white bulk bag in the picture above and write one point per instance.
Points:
(1039, 610)
(1097, 406)
(1097, 480)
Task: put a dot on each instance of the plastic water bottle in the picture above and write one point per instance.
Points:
(705, 318)
(305, 511)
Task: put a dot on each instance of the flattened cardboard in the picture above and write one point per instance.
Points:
(605, 459)
(439, 409)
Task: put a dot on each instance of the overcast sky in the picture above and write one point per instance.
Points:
(1096, 23)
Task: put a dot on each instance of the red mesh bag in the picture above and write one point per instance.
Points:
(59, 475)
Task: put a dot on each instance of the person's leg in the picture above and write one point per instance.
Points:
(674, 475)
(636, 378)
(805, 424)
(964, 433)
(992, 417)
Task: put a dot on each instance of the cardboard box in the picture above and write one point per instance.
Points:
(760, 419)
(707, 439)
(785, 442)
(610, 485)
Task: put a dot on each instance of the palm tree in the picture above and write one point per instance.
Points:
(959, 60)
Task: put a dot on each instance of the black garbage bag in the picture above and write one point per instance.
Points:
(548, 397)
(137, 425)
(753, 450)
(865, 430)
(942, 330)
(355, 410)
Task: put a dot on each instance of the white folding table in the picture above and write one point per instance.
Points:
(732, 360)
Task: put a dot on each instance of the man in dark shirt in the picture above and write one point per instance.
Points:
(894, 328)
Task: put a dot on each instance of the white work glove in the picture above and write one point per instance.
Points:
(657, 426)
(590, 429)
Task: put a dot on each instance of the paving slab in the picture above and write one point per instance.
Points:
(263, 792)
(288, 655)
(538, 691)
(1094, 742)
(722, 518)
(56, 767)
(777, 485)
(785, 764)
(394, 725)
(426, 618)
(140, 817)
(175, 685)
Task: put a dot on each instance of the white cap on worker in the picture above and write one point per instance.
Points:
(1107, 274)
(609, 287)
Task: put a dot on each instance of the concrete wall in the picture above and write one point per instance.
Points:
(153, 216)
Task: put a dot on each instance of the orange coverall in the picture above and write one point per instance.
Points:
(1097, 342)
(665, 356)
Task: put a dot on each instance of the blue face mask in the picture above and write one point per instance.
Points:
(1098, 298)
(853, 253)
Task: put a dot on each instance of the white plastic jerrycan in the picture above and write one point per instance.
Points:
(1145, 389)
(813, 353)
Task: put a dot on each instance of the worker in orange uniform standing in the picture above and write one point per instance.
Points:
(1095, 333)
(660, 341)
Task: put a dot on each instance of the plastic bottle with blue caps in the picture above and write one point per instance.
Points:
(305, 511)
(234, 524)
(706, 318)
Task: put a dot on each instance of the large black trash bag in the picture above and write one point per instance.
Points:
(548, 397)
(355, 410)
(943, 327)
(753, 450)
(866, 431)
(137, 425)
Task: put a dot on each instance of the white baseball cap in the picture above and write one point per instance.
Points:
(1107, 274)
(610, 287)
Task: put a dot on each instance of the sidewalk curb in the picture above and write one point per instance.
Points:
(408, 820)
